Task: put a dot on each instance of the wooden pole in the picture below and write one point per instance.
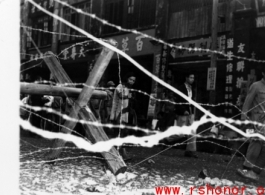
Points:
(80, 109)
(32, 88)
(25, 20)
(214, 45)
(57, 70)
(55, 36)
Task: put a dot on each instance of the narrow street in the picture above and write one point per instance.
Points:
(78, 172)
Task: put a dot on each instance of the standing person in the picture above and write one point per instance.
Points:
(37, 100)
(94, 106)
(56, 103)
(24, 113)
(170, 110)
(255, 102)
(161, 122)
(120, 107)
(106, 105)
(185, 112)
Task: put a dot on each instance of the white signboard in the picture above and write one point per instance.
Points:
(152, 105)
(211, 78)
(260, 21)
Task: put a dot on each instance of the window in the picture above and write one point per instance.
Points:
(46, 38)
(136, 14)
(114, 10)
(80, 20)
(130, 14)
(141, 13)
(147, 13)
(130, 6)
(39, 37)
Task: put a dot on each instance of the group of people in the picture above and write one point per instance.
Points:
(42, 119)
(253, 109)
(117, 109)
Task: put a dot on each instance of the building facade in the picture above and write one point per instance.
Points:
(239, 32)
(186, 23)
(77, 53)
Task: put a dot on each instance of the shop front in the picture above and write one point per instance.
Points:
(78, 59)
(34, 66)
(142, 50)
(181, 62)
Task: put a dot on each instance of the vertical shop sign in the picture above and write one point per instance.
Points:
(229, 75)
(164, 55)
(152, 105)
(156, 71)
(240, 79)
(154, 94)
(211, 78)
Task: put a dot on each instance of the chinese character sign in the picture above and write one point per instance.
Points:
(163, 62)
(125, 44)
(134, 44)
(229, 74)
(156, 71)
(211, 78)
(139, 44)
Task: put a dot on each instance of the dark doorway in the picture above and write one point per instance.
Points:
(200, 84)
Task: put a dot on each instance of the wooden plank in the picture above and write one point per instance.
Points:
(80, 109)
(56, 69)
(114, 159)
(33, 88)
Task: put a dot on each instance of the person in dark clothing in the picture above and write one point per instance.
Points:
(35, 116)
(185, 113)
(37, 100)
(161, 123)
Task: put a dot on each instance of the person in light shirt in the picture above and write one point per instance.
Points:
(121, 111)
(254, 109)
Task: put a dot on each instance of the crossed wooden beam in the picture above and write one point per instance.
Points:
(80, 109)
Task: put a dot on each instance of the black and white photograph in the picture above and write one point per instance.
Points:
(144, 97)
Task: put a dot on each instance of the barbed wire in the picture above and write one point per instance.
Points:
(214, 118)
(144, 93)
(105, 22)
(49, 120)
(46, 149)
(34, 66)
(141, 68)
(51, 32)
(145, 130)
(203, 141)
(130, 145)
(139, 33)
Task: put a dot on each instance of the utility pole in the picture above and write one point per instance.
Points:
(214, 47)
(24, 20)
(55, 36)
